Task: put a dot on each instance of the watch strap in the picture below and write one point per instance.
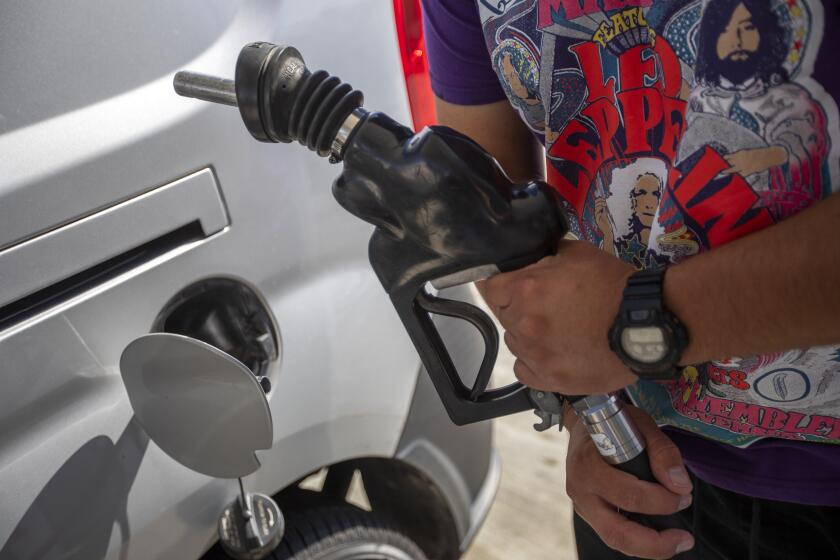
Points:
(643, 291)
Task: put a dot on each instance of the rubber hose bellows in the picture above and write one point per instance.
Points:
(322, 103)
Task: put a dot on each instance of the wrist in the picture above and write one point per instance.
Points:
(681, 296)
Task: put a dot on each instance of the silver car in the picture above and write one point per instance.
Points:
(124, 210)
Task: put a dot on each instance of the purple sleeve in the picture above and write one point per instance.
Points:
(459, 64)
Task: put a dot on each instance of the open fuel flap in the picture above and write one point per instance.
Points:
(200, 405)
(208, 411)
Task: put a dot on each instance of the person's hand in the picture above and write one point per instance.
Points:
(602, 218)
(755, 160)
(598, 490)
(557, 315)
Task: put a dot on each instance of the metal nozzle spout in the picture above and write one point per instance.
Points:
(280, 100)
(206, 88)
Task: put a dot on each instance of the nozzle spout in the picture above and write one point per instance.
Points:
(206, 88)
(280, 100)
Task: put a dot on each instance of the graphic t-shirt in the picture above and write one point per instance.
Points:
(672, 127)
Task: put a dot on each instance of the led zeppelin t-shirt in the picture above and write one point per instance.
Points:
(672, 127)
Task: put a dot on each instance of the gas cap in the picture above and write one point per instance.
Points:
(200, 405)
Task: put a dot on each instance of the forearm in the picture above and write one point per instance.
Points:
(498, 129)
(774, 290)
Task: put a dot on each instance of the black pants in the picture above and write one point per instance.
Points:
(729, 526)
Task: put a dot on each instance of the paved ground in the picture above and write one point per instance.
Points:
(531, 518)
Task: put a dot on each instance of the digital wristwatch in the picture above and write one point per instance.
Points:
(647, 337)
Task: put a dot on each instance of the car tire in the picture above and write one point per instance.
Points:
(344, 533)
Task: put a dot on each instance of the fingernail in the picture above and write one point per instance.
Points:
(687, 544)
(685, 501)
(679, 477)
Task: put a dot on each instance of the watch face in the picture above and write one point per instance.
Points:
(644, 344)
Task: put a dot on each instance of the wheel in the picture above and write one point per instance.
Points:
(343, 533)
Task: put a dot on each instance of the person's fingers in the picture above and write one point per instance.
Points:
(505, 292)
(516, 346)
(734, 166)
(497, 290)
(731, 159)
(513, 344)
(629, 537)
(628, 493)
(526, 375)
(526, 323)
(481, 287)
(527, 350)
(590, 474)
(665, 458)
(517, 314)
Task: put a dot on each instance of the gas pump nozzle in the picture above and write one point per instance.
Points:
(445, 214)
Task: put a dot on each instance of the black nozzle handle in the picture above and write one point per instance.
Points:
(620, 444)
(464, 404)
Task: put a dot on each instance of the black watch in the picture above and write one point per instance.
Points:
(645, 335)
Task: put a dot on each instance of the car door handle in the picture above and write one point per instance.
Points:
(193, 201)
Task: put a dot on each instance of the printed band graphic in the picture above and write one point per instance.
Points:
(673, 127)
(554, 11)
